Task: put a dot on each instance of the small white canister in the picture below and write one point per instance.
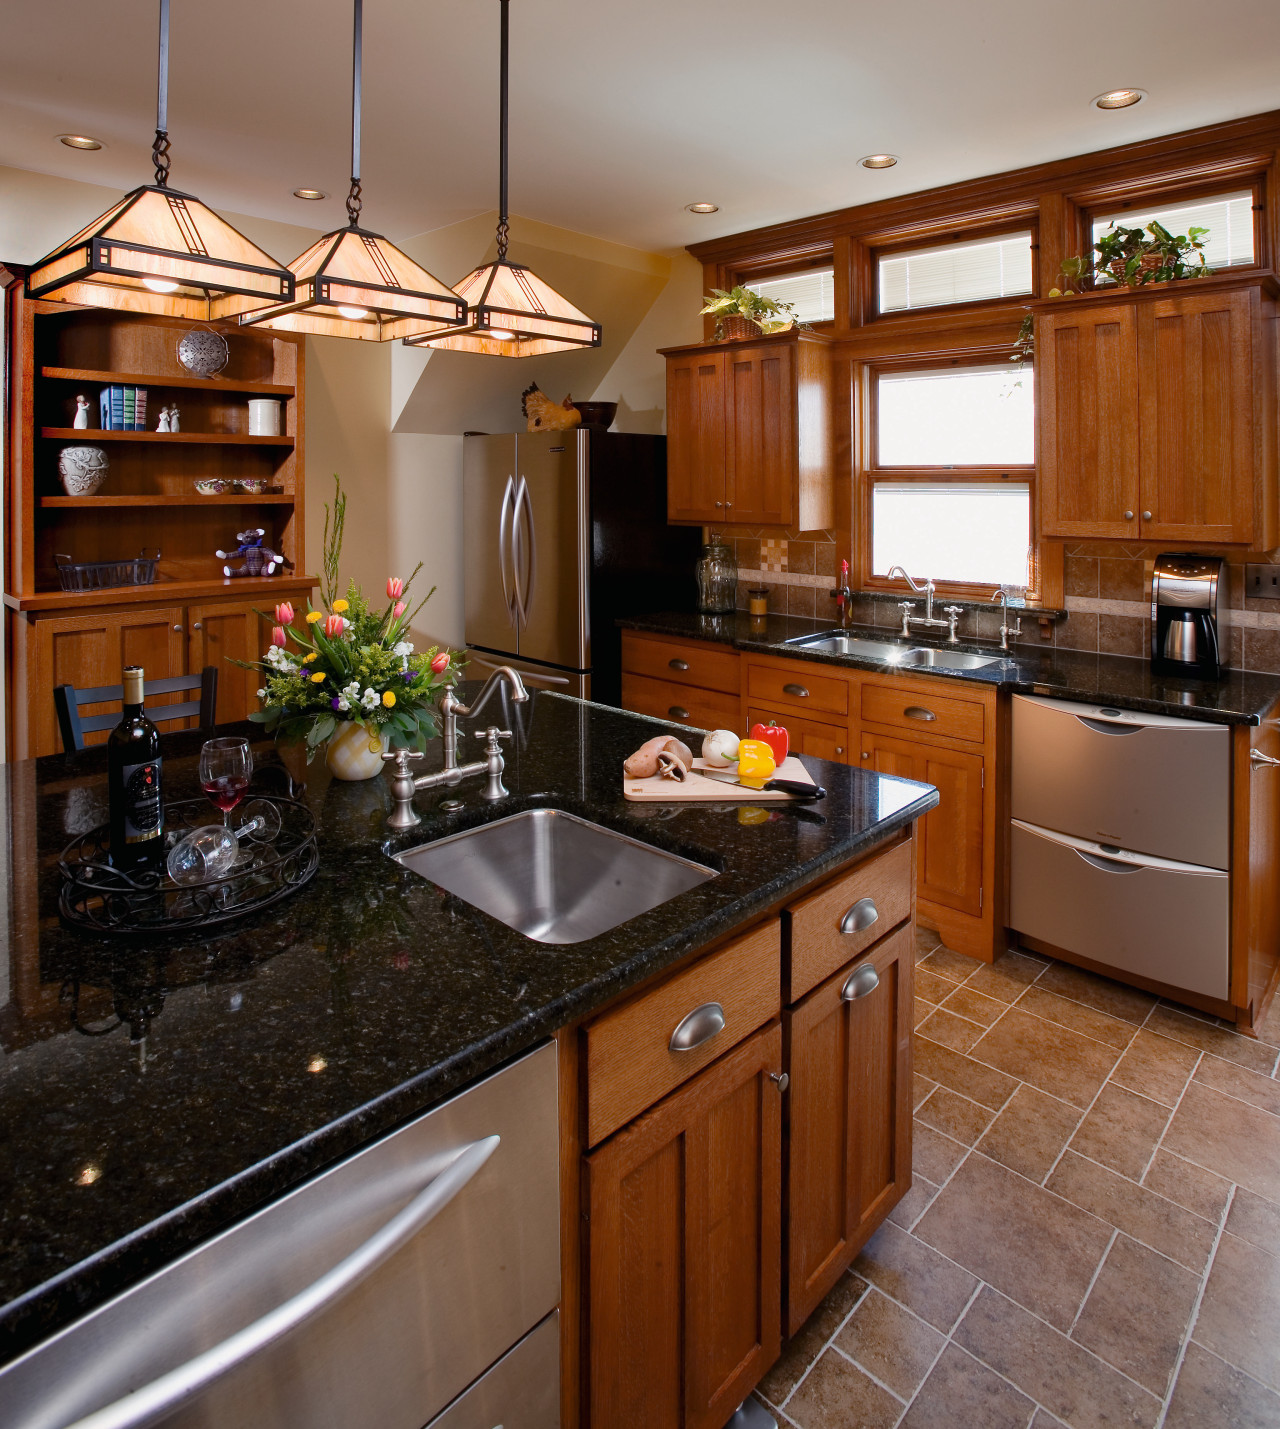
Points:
(264, 416)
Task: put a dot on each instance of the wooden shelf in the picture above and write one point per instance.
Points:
(146, 379)
(281, 498)
(204, 439)
(161, 592)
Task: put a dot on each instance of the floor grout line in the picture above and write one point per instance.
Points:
(1093, 1280)
(946, 1340)
(858, 1365)
(826, 1345)
(1173, 1113)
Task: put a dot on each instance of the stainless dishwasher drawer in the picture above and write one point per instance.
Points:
(1144, 915)
(367, 1298)
(522, 1391)
(1148, 782)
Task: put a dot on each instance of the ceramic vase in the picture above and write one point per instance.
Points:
(82, 469)
(353, 753)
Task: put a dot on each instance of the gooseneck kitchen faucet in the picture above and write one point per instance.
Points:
(952, 612)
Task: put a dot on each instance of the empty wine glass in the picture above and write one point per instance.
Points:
(225, 767)
(261, 822)
(203, 855)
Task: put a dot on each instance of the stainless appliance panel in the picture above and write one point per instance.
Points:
(391, 1348)
(1153, 783)
(1157, 918)
(522, 1391)
(489, 515)
(565, 682)
(551, 546)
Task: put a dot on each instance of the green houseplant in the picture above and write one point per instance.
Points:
(1133, 257)
(743, 313)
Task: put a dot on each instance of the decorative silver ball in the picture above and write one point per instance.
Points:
(203, 352)
(82, 469)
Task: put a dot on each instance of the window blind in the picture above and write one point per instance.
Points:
(956, 273)
(961, 531)
(812, 293)
(956, 416)
(1229, 219)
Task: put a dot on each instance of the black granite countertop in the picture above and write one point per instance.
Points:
(1241, 697)
(153, 1092)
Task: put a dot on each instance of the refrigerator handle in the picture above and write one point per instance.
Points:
(526, 552)
(506, 523)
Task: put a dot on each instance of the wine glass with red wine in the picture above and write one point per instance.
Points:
(225, 767)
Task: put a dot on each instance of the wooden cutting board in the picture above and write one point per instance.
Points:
(698, 788)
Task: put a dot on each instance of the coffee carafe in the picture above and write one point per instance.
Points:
(1186, 594)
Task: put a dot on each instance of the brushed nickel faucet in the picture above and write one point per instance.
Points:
(404, 784)
(1006, 630)
(952, 612)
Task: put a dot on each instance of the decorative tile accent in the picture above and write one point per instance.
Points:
(773, 554)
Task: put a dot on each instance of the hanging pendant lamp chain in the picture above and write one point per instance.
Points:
(160, 148)
(504, 228)
(354, 200)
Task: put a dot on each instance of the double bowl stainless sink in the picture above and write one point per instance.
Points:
(907, 657)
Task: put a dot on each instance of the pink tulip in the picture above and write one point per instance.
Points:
(334, 626)
(398, 609)
(278, 636)
(395, 588)
(284, 613)
(440, 663)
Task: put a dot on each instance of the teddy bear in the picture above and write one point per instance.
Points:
(259, 560)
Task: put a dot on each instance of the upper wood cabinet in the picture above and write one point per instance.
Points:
(1156, 414)
(749, 432)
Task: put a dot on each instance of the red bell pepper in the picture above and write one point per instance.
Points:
(775, 736)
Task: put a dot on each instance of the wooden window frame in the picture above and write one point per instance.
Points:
(784, 265)
(952, 237)
(868, 474)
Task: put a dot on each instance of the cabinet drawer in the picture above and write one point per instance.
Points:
(629, 1061)
(797, 689)
(882, 886)
(707, 666)
(682, 704)
(919, 707)
(807, 736)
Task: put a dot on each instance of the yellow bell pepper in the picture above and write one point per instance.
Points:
(756, 763)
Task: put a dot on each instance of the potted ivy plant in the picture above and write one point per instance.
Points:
(742, 313)
(1133, 257)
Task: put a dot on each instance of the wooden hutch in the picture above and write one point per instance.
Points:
(192, 615)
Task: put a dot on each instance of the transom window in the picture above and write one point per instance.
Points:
(812, 293)
(1228, 217)
(971, 272)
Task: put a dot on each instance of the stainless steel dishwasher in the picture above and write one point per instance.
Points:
(415, 1283)
(1121, 839)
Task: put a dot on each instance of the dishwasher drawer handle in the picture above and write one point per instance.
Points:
(698, 1028)
(919, 712)
(1107, 865)
(860, 982)
(860, 916)
(678, 664)
(798, 691)
(163, 1396)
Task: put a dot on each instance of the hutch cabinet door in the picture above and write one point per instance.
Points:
(760, 390)
(696, 449)
(220, 634)
(1087, 400)
(685, 1248)
(1196, 394)
(949, 852)
(849, 1160)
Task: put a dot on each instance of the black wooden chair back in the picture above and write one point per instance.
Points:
(67, 701)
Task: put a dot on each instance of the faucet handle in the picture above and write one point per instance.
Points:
(953, 610)
(493, 734)
(906, 605)
(401, 757)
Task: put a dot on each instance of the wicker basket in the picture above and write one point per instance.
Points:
(733, 328)
(1148, 263)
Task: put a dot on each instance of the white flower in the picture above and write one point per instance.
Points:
(403, 648)
(344, 704)
(262, 694)
(371, 699)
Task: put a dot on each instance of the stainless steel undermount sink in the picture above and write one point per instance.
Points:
(926, 656)
(552, 876)
(909, 656)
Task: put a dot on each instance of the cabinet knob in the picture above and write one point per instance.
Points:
(839, 748)
(1146, 515)
(1128, 515)
(178, 628)
(196, 625)
(860, 982)
(719, 504)
(727, 505)
(866, 754)
(780, 1079)
(678, 712)
(697, 1028)
(678, 664)
(798, 691)
(860, 916)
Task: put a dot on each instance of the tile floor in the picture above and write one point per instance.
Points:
(1092, 1237)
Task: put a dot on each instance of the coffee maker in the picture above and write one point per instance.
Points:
(1186, 596)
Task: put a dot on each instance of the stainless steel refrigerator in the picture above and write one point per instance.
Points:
(564, 533)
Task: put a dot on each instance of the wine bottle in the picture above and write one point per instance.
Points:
(134, 782)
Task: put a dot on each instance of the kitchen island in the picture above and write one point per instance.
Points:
(154, 1094)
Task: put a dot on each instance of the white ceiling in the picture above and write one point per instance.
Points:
(621, 114)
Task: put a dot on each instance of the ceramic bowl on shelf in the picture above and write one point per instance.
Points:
(82, 469)
(597, 414)
(213, 486)
(203, 352)
(254, 485)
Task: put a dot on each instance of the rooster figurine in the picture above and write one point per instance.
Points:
(543, 415)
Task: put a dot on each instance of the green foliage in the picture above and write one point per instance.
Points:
(1133, 257)
(768, 314)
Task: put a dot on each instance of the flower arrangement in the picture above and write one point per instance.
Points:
(351, 664)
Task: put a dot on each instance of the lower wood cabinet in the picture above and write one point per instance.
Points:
(808, 736)
(849, 1140)
(684, 1248)
(222, 633)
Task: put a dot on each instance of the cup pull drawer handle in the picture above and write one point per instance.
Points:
(860, 916)
(919, 712)
(860, 982)
(678, 664)
(698, 1028)
(678, 712)
(798, 691)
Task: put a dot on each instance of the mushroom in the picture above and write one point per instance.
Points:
(670, 766)
(644, 762)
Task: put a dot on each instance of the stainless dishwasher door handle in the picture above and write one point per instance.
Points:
(168, 1393)
(1108, 865)
(698, 1028)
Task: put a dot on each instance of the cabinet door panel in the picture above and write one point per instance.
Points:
(949, 853)
(696, 444)
(685, 1248)
(1196, 396)
(807, 736)
(1086, 380)
(761, 434)
(850, 1118)
(220, 634)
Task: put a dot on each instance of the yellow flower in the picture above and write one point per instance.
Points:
(340, 605)
(389, 698)
(313, 616)
(318, 678)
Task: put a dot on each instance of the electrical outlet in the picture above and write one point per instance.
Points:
(1262, 582)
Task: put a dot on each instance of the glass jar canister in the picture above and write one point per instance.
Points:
(717, 578)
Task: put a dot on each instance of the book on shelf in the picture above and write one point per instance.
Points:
(122, 409)
(117, 408)
(127, 399)
(104, 409)
(139, 409)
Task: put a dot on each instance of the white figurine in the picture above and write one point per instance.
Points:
(173, 418)
(81, 422)
(163, 424)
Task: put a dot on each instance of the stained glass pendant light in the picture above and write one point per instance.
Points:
(160, 251)
(513, 312)
(353, 283)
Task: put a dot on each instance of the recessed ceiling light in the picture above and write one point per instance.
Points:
(310, 193)
(1119, 98)
(79, 141)
(879, 161)
(703, 207)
